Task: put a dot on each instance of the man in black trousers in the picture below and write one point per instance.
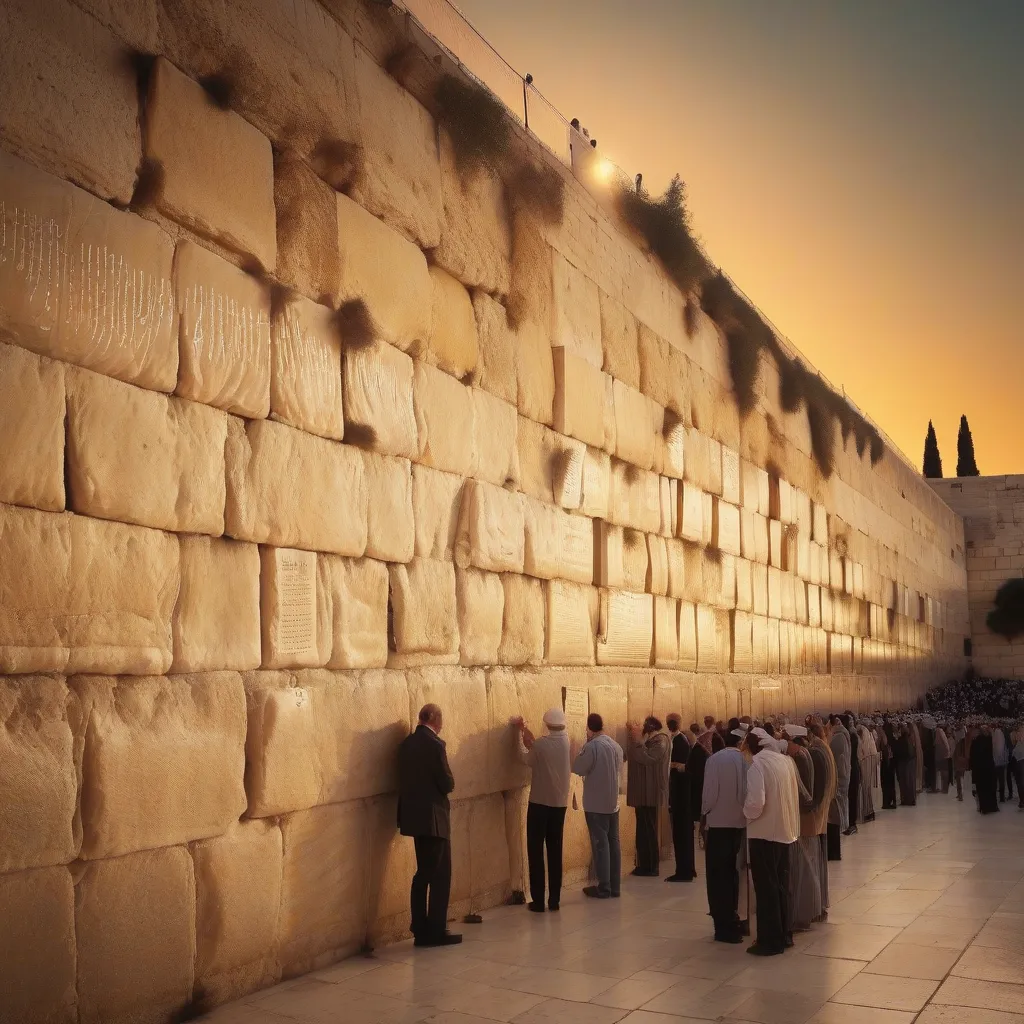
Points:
(679, 808)
(424, 782)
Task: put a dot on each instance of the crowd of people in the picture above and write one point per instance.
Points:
(770, 803)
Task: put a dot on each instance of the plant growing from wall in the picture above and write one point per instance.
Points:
(965, 464)
(1007, 617)
(932, 467)
(475, 120)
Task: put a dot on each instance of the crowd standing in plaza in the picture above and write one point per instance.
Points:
(769, 801)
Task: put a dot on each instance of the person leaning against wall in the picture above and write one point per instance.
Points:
(646, 782)
(424, 782)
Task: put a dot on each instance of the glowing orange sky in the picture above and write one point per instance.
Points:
(858, 168)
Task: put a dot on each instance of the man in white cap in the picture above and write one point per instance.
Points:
(548, 759)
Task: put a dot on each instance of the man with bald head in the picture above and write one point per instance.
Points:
(424, 782)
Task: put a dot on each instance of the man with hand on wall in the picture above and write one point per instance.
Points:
(424, 782)
(599, 762)
(646, 781)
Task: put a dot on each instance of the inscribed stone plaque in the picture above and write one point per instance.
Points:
(288, 607)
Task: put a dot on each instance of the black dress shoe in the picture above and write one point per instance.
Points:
(679, 878)
(536, 908)
(447, 939)
(735, 940)
(553, 906)
(758, 950)
(595, 893)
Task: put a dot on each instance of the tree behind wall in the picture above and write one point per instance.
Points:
(932, 459)
(965, 464)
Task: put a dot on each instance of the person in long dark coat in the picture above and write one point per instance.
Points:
(679, 803)
(695, 773)
(983, 771)
(906, 767)
(888, 752)
(853, 793)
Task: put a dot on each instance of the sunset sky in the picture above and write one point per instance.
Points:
(857, 167)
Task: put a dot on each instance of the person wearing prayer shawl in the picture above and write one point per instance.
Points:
(868, 754)
(804, 888)
(815, 820)
(839, 810)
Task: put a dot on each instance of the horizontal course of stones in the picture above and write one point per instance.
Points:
(241, 543)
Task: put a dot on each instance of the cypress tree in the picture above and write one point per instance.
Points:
(932, 458)
(965, 464)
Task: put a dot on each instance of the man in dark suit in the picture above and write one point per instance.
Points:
(424, 782)
(679, 807)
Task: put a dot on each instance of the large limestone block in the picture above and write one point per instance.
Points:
(636, 426)
(497, 367)
(445, 421)
(725, 530)
(378, 398)
(577, 312)
(218, 170)
(480, 599)
(425, 620)
(32, 410)
(163, 760)
(819, 524)
(579, 398)
(745, 586)
(687, 636)
(557, 544)
(452, 343)
(295, 599)
(238, 899)
(216, 622)
(666, 632)
(535, 373)
(359, 606)
(143, 458)
(135, 925)
(775, 603)
(731, 485)
(37, 947)
(82, 282)
(626, 632)
(476, 239)
(690, 518)
(551, 466)
(663, 376)
(390, 534)
(634, 498)
(596, 484)
(742, 642)
(323, 888)
(480, 852)
(713, 639)
(461, 694)
(496, 426)
(69, 97)
(572, 612)
(400, 176)
(39, 783)
(388, 273)
(675, 559)
(491, 530)
(223, 333)
(305, 370)
(505, 771)
(522, 634)
(319, 737)
(609, 560)
(756, 489)
(437, 501)
(636, 567)
(619, 342)
(291, 489)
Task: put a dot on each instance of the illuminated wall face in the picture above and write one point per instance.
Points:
(856, 169)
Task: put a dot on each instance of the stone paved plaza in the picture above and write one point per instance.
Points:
(927, 923)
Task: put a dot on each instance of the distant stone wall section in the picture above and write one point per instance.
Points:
(242, 542)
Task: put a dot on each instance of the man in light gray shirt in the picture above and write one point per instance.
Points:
(548, 759)
(725, 789)
(600, 763)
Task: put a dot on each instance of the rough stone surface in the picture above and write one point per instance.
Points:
(292, 489)
(437, 501)
(535, 374)
(359, 604)
(577, 312)
(32, 410)
(452, 343)
(378, 395)
(637, 425)
(223, 333)
(496, 428)
(497, 367)
(445, 421)
(163, 760)
(626, 632)
(480, 600)
(216, 622)
(390, 532)
(491, 528)
(579, 409)
(522, 637)
(143, 458)
(37, 946)
(619, 342)
(571, 626)
(135, 922)
(82, 282)
(68, 97)
(292, 595)
(218, 169)
(388, 273)
(39, 785)
(424, 610)
(558, 544)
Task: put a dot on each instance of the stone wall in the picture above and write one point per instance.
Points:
(277, 469)
(992, 508)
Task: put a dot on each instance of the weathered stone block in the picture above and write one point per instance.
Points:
(223, 333)
(139, 457)
(496, 370)
(666, 632)
(84, 283)
(690, 519)
(291, 489)
(378, 398)
(595, 484)
(491, 531)
(725, 530)
(637, 424)
(445, 421)
(135, 923)
(295, 609)
(359, 604)
(522, 637)
(579, 409)
(69, 97)
(162, 761)
(39, 784)
(572, 611)
(731, 487)
(216, 621)
(687, 636)
(535, 374)
(32, 410)
(388, 273)
(496, 427)
(425, 620)
(557, 544)
(657, 565)
(609, 555)
(437, 501)
(238, 898)
(452, 343)
(390, 532)
(635, 498)
(577, 312)
(37, 946)
(218, 169)
(619, 342)
(480, 599)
